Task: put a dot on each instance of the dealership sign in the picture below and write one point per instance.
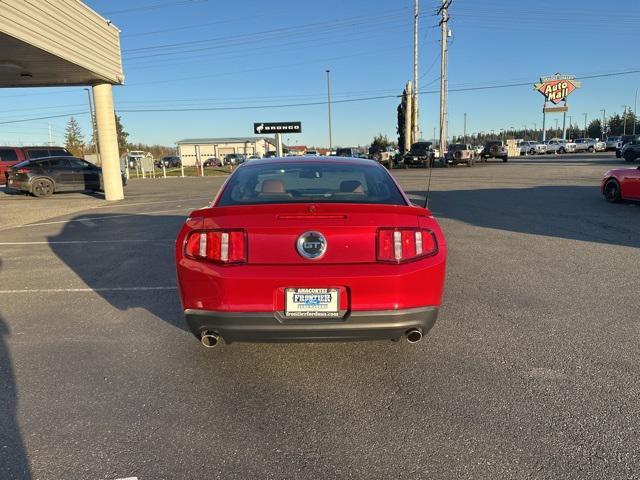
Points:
(277, 127)
(556, 88)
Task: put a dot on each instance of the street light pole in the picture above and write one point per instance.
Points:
(585, 125)
(624, 118)
(329, 107)
(604, 116)
(465, 128)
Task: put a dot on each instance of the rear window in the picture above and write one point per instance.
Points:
(33, 153)
(310, 182)
(8, 155)
(54, 152)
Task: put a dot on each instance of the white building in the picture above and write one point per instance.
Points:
(191, 149)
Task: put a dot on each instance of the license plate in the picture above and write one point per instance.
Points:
(312, 302)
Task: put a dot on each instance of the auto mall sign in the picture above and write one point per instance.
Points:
(556, 88)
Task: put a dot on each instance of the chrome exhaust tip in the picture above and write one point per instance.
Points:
(414, 335)
(209, 339)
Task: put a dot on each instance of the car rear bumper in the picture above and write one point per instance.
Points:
(273, 327)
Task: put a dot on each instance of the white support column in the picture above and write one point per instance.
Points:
(108, 141)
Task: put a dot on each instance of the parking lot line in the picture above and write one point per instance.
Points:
(106, 217)
(186, 199)
(87, 290)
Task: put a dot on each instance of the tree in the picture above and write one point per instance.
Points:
(122, 135)
(123, 143)
(594, 130)
(380, 143)
(73, 139)
(402, 109)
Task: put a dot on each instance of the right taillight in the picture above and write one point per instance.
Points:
(22, 170)
(399, 245)
(221, 246)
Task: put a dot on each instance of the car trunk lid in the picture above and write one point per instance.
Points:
(350, 230)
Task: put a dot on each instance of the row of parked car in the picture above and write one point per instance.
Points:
(423, 154)
(560, 146)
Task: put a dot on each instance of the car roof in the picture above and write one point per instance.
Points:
(305, 159)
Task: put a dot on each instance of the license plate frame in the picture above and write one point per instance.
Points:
(312, 303)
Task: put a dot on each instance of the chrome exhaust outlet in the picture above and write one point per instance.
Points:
(414, 335)
(209, 339)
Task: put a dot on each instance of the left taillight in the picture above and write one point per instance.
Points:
(22, 170)
(220, 246)
(399, 245)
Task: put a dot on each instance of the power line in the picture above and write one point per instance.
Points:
(155, 6)
(305, 104)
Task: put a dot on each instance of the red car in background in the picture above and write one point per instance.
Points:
(10, 156)
(621, 184)
(300, 249)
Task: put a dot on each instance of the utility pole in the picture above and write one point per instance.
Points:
(443, 76)
(585, 125)
(624, 117)
(465, 128)
(604, 115)
(50, 136)
(329, 107)
(415, 132)
(635, 112)
(93, 124)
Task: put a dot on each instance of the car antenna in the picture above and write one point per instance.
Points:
(426, 202)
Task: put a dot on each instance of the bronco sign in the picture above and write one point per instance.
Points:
(556, 88)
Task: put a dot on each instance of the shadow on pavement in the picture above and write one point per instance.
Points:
(127, 259)
(571, 212)
(14, 464)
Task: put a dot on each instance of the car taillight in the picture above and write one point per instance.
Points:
(221, 246)
(398, 245)
(22, 170)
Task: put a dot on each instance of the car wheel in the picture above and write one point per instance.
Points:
(562, 151)
(612, 191)
(629, 157)
(42, 187)
(618, 155)
(505, 159)
(590, 149)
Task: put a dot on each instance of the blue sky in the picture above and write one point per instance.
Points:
(248, 53)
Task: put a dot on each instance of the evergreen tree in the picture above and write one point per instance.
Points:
(123, 143)
(73, 139)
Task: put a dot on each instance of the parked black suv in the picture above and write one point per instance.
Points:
(494, 149)
(631, 150)
(421, 154)
(623, 141)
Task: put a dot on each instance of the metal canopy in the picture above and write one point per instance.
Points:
(60, 43)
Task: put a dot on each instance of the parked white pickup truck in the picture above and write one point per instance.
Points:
(585, 145)
(560, 146)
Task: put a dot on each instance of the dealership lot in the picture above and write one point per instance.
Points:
(532, 371)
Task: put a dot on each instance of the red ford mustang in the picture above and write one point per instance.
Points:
(302, 250)
(621, 184)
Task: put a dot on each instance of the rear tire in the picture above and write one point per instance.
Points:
(505, 159)
(42, 188)
(562, 151)
(611, 191)
(590, 149)
(629, 157)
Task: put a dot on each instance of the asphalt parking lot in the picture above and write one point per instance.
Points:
(532, 371)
